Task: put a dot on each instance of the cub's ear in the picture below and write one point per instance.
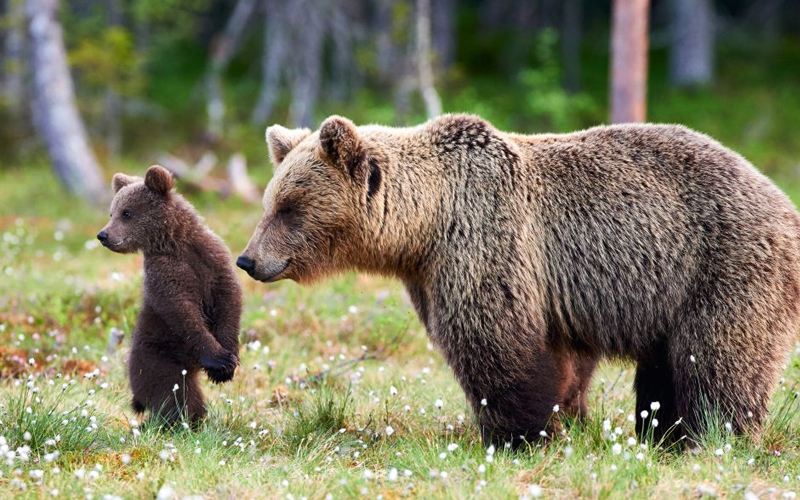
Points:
(281, 140)
(121, 180)
(340, 144)
(158, 179)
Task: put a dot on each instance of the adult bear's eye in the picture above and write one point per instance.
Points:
(285, 210)
(126, 214)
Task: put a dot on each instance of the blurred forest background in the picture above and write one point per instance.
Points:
(93, 86)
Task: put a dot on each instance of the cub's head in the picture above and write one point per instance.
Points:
(138, 211)
(317, 206)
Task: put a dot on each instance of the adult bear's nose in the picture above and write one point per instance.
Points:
(102, 236)
(246, 263)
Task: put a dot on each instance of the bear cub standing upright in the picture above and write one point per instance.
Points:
(192, 298)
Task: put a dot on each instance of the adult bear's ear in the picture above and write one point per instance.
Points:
(121, 180)
(159, 180)
(281, 140)
(340, 144)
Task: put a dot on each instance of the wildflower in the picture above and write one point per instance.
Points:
(393, 391)
(655, 406)
(389, 430)
(534, 490)
(555, 409)
(165, 493)
(175, 388)
(392, 476)
(616, 449)
(484, 402)
(438, 404)
(452, 447)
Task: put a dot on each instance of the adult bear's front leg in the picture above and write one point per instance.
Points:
(512, 387)
(518, 408)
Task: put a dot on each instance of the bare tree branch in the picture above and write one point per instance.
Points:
(433, 105)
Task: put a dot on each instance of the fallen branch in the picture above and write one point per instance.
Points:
(337, 369)
(198, 176)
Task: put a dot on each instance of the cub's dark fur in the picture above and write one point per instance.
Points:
(189, 319)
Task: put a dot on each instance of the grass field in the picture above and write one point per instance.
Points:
(339, 394)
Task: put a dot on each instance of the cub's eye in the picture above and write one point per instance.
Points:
(126, 214)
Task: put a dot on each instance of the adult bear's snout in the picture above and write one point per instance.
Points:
(246, 263)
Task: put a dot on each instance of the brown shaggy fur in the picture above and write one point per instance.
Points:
(528, 257)
(192, 298)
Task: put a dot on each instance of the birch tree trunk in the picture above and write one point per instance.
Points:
(55, 113)
(629, 60)
(691, 57)
(113, 101)
(308, 28)
(273, 59)
(223, 49)
(433, 105)
(13, 83)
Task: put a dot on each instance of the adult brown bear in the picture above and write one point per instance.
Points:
(528, 257)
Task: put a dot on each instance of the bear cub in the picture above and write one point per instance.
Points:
(192, 304)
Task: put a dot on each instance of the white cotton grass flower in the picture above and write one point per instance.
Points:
(438, 404)
(165, 493)
(175, 388)
(484, 402)
(452, 447)
(393, 391)
(389, 430)
(655, 406)
(556, 408)
(616, 449)
(534, 490)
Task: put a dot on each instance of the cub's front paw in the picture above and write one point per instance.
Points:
(220, 368)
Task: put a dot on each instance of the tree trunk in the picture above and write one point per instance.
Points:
(13, 84)
(308, 26)
(223, 49)
(692, 50)
(273, 59)
(444, 32)
(113, 101)
(571, 44)
(55, 112)
(629, 61)
(433, 106)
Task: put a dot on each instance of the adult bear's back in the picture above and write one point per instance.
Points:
(639, 221)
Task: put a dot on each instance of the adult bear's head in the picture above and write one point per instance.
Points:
(321, 206)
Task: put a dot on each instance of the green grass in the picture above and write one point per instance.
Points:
(337, 393)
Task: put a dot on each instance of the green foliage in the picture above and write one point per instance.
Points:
(546, 99)
(110, 60)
